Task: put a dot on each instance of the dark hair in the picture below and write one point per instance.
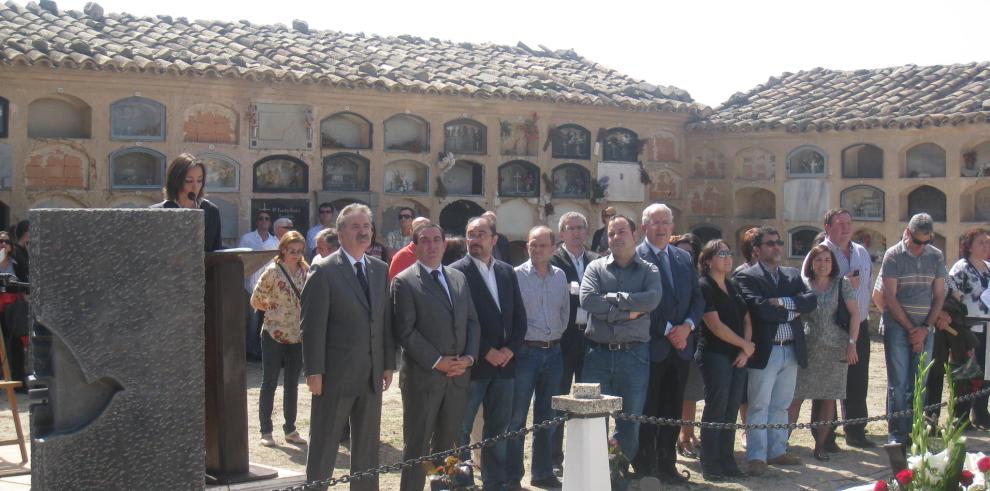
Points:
(691, 239)
(746, 243)
(456, 249)
(404, 208)
(632, 224)
(819, 238)
(21, 228)
(176, 175)
(763, 232)
(491, 224)
(418, 231)
(326, 205)
(708, 253)
(809, 271)
(966, 242)
(834, 212)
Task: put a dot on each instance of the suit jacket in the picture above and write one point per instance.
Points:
(679, 302)
(211, 223)
(757, 289)
(599, 243)
(428, 327)
(345, 339)
(505, 327)
(562, 260)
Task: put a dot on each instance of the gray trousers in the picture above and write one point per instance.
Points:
(431, 423)
(328, 416)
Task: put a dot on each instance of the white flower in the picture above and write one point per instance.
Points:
(936, 463)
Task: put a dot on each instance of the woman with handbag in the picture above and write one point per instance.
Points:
(277, 293)
(971, 275)
(831, 331)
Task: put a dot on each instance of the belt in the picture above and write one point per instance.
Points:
(541, 344)
(786, 342)
(617, 346)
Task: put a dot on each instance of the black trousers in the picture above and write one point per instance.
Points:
(572, 345)
(857, 387)
(664, 398)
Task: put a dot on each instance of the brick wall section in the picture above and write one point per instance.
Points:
(54, 169)
(209, 127)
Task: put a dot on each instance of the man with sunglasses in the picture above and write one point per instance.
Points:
(325, 214)
(913, 273)
(397, 239)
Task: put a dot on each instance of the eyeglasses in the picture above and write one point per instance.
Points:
(723, 254)
(772, 243)
(5, 241)
(405, 217)
(920, 242)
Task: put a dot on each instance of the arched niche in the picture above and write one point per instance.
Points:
(518, 178)
(755, 203)
(58, 201)
(6, 166)
(621, 145)
(661, 147)
(665, 183)
(706, 199)
(874, 242)
(406, 177)
(925, 160)
(807, 161)
(222, 172)
(137, 168)
(976, 161)
(974, 203)
(515, 218)
(346, 172)
(862, 161)
(281, 174)
(465, 136)
(708, 163)
(407, 133)
(345, 130)
(570, 141)
(209, 122)
(4, 118)
(755, 164)
(864, 202)
(465, 178)
(926, 199)
(56, 166)
(571, 181)
(454, 217)
(706, 232)
(801, 240)
(137, 119)
(61, 116)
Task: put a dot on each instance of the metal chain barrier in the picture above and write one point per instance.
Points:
(385, 469)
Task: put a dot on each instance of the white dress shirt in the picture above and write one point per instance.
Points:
(488, 275)
(252, 240)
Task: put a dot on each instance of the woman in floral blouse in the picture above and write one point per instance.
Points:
(277, 293)
(971, 275)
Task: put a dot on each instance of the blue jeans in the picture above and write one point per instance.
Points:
(770, 393)
(496, 393)
(537, 370)
(275, 355)
(902, 367)
(626, 374)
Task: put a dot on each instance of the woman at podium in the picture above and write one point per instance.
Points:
(184, 188)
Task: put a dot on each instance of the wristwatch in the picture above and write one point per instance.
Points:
(852, 341)
(931, 328)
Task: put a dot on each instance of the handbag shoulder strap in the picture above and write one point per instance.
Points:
(289, 279)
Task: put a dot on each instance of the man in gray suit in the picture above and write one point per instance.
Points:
(436, 325)
(348, 349)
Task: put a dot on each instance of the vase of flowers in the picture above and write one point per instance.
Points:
(452, 475)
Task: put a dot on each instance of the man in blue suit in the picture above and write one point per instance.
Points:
(502, 316)
(672, 343)
(776, 296)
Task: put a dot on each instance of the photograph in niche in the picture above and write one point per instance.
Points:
(571, 181)
(280, 175)
(864, 202)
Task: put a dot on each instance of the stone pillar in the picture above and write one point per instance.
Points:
(117, 393)
(586, 450)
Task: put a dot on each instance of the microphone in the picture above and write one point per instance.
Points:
(191, 196)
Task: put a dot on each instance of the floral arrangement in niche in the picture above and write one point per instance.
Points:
(599, 189)
(521, 139)
(453, 475)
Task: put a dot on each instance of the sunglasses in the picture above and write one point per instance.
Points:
(323, 212)
(405, 217)
(920, 242)
(264, 219)
(5, 241)
(723, 254)
(772, 243)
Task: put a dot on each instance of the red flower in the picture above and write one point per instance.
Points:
(966, 478)
(983, 464)
(880, 486)
(904, 477)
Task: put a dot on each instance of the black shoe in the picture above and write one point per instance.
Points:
(547, 483)
(513, 486)
(822, 455)
(832, 447)
(734, 472)
(674, 477)
(859, 442)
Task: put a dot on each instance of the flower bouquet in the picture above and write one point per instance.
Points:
(453, 475)
(618, 466)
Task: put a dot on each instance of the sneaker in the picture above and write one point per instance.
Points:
(756, 468)
(295, 438)
(268, 441)
(784, 459)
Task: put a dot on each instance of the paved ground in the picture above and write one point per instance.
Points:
(848, 468)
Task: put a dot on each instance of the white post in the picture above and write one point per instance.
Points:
(586, 454)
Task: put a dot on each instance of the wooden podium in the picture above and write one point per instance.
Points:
(226, 366)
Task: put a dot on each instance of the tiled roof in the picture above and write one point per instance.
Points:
(898, 97)
(41, 35)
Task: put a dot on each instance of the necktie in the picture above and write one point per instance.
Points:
(665, 260)
(436, 277)
(364, 281)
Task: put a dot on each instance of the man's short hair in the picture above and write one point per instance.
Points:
(834, 212)
(541, 228)
(326, 205)
(418, 231)
(491, 224)
(655, 207)
(763, 232)
(352, 209)
(329, 236)
(266, 212)
(922, 222)
(632, 224)
(405, 208)
(571, 215)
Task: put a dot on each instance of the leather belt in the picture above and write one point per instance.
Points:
(618, 346)
(786, 342)
(541, 344)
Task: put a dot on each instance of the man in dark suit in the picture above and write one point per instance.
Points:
(672, 342)
(502, 317)
(435, 323)
(348, 349)
(776, 295)
(572, 257)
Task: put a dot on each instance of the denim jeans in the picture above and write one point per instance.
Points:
(724, 386)
(274, 356)
(626, 374)
(537, 371)
(902, 367)
(770, 393)
(496, 394)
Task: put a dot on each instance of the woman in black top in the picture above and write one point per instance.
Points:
(723, 350)
(184, 188)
